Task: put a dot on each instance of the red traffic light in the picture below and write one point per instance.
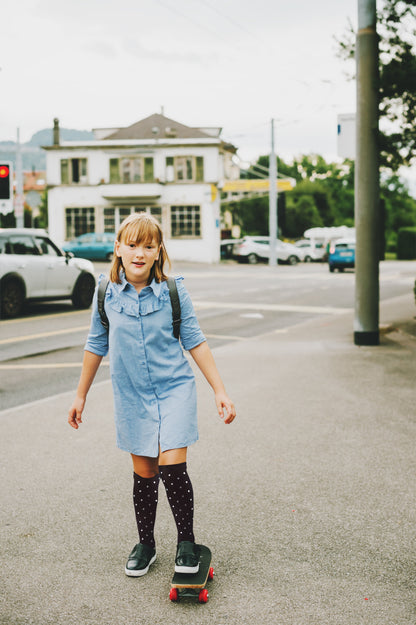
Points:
(6, 183)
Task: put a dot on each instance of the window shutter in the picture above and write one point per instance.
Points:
(199, 169)
(114, 171)
(64, 171)
(170, 172)
(148, 169)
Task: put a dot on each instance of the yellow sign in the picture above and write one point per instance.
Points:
(255, 185)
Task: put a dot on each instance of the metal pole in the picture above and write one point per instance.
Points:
(272, 202)
(367, 201)
(19, 210)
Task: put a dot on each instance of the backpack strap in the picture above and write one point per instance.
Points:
(102, 287)
(176, 306)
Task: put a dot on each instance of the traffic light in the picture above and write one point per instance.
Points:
(6, 190)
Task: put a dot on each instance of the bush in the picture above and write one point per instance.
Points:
(406, 244)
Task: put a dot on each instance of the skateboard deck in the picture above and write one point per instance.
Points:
(193, 584)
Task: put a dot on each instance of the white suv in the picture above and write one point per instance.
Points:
(310, 250)
(32, 267)
(254, 249)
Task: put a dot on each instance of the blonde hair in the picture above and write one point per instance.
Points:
(141, 228)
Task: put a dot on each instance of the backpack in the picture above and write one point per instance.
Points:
(174, 300)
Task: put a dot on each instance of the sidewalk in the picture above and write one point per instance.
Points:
(307, 501)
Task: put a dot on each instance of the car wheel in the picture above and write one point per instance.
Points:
(12, 299)
(331, 268)
(308, 259)
(109, 256)
(83, 291)
(252, 259)
(292, 260)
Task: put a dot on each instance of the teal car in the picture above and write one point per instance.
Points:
(92, 245)
(342, 255)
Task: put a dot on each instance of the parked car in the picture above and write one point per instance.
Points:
(227, 247)
(32, 267)
(255, 249)
(93, 245)
(310, 250)
(341, 254)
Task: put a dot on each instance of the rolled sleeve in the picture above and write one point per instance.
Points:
(191, 334)
(97, 340)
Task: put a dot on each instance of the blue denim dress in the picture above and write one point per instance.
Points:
(153, 383)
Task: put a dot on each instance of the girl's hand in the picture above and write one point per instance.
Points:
(75, 412)
(226, 408)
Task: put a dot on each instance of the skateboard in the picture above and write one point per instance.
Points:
(193, 584)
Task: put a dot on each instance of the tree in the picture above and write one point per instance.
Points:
(397, 69)
(323, 196)
(301, 214)
(42, 220)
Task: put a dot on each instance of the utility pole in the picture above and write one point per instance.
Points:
(273, 225)
(367, 191)
(18, 198)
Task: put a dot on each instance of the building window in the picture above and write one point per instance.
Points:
(79, 221)
(113, 217)
(184, 169)
(74, 171)
(130, 170)
(185, 221)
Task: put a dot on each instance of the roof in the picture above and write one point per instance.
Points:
(158, 126)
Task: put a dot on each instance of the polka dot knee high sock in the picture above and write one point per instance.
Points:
(181, 498)
(145, 491)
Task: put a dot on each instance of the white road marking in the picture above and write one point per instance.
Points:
(199, 305)
(252, 316)
(328, 310)
(42, 335)
(70, 313)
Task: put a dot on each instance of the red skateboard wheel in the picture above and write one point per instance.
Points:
(203, 596)
(173, 594)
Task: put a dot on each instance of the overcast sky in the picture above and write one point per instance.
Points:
(229, 63)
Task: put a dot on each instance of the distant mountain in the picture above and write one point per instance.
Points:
(33, 157)
(45, 136)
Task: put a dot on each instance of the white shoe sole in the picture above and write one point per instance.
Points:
(187, 569)
(133, 573)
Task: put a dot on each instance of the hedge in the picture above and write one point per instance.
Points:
(406, 243)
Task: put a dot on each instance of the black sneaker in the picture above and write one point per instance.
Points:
(139, 560)
(187, 557)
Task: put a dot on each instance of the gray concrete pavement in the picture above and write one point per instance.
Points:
(307, 501)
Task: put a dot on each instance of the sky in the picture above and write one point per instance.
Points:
(228, 63)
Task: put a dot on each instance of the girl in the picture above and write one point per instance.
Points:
(153, 384)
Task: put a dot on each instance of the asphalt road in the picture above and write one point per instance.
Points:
(41, 352)
(307, 500)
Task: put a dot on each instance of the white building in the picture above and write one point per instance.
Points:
(157, 165)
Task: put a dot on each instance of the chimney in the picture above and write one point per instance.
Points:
(56, 131)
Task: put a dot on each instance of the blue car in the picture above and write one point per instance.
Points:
(95, 246)
(342, 255)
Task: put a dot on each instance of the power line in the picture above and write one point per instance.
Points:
(189, 19)
(229, 19)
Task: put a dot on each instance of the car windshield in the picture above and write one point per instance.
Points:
(344, 246)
